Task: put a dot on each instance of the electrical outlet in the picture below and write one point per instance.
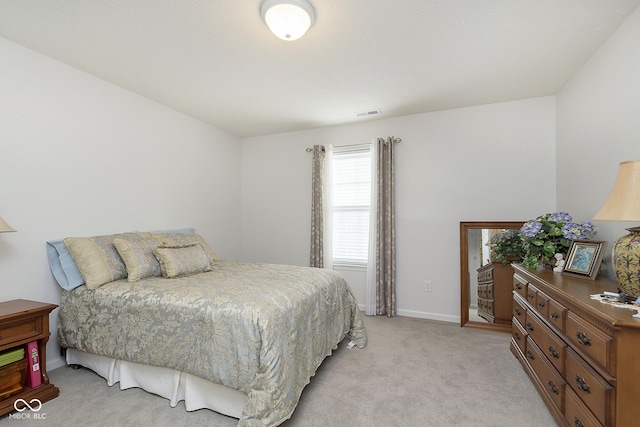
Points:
(427, 286)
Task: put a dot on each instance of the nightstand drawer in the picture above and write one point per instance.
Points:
(20, 329)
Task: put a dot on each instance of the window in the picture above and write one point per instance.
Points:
(351, 204)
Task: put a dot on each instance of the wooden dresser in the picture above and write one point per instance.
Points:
(495, 284)
(582, 355)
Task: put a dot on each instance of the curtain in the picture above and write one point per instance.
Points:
(380, 296)
(317, 207)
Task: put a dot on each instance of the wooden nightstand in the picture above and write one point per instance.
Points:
(23, 321)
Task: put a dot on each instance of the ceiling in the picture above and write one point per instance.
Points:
(216, 60)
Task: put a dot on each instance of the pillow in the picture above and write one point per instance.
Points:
(97, 258)
(138, 257)
(63, 266)
(176, 261)
(186, 239)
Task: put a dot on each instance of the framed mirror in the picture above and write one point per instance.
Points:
(475, 296)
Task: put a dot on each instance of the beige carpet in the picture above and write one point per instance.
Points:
(412, 373)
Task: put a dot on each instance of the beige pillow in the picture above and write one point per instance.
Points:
(186, 239)
(176, 261)
(97, 258)
(138, 257)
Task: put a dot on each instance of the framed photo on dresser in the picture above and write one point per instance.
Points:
(584, 258)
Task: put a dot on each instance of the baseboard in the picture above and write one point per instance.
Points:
(424, 315)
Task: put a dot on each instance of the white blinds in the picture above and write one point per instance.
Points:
(351, 200)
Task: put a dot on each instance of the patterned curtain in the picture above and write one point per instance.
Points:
(381, 277)
(317, 203)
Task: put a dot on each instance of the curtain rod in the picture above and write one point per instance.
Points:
(395, 141)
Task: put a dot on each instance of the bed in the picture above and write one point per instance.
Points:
(242, 339)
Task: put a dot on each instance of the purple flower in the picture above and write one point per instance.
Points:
(560, 217)
(531, 228)
(573, 231)
(589, 228)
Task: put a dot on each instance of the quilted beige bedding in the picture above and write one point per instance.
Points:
(262, 329)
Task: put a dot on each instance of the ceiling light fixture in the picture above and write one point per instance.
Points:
(288, 19)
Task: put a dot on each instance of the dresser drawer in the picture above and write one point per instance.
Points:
(557, 314)
(21, 329)
(551, 380)
(590, 387)
(542, 304)
(519, 309)
(519, 335)
(531, 294)
(591, 341)
(576, 413)
(520, 286)
(550, 344)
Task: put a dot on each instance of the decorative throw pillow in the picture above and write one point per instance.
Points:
(183, 239)
(176, 261)
(138, 257)
(97, 258)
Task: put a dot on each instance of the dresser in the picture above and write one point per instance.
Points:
(495, 292)
(582, 355)
(23, 321)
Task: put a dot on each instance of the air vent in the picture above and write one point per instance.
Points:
(367, 113)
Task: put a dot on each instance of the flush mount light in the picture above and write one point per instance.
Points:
(288, 19)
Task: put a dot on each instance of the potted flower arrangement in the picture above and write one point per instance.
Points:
(550, 234)
(506, 246)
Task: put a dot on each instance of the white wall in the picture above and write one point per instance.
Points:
(599, 127)
(82, 157)
(492, 163)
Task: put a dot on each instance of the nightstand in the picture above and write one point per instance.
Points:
(21, 322)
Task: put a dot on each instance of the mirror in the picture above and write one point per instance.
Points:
(474, 255)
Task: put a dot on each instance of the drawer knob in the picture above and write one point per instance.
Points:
(516, 335)
(518, 286)
(553, 387)
(577, 422)
(518, 312)
(529, 326)
(530, 355)
(583, 338)
(553, 352)
(554, 315)
(582, 384)
(541, 304)
(530, 295)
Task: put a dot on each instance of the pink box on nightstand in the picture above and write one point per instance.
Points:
(34, 375)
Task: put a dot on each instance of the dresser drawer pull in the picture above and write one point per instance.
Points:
(518, 286)
(583, 338)
(516, 335)
(554, 315)
(577, 422)
(553, 352)
(530, 355)
(553, 387)
(530, 295)
(541, 304)
(529, 326)
(518, 312)
(582, 385)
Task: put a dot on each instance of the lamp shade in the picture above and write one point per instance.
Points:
(623, 203)
(4, 227)
(288, 19)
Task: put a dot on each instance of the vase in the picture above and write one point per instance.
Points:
(625, 260)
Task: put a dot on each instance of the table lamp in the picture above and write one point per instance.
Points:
(623, 204)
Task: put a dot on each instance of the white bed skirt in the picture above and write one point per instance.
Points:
(196, 392)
